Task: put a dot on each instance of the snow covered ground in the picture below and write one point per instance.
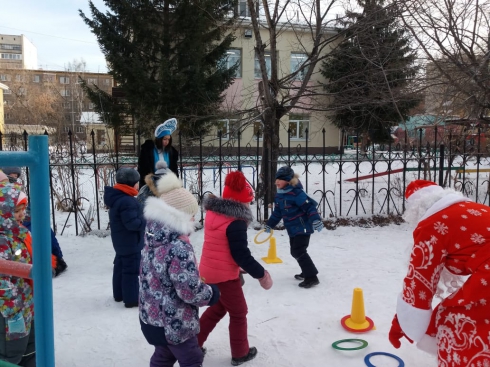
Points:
(290, 326)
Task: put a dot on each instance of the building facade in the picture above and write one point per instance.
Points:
(17, 52)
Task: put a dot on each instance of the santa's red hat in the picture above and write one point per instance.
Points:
(237, 188)
(423, 185)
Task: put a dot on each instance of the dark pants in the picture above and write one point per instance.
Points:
(232, 300)
(125, 284)
(19, 351)
(299, 245)
(187, 353)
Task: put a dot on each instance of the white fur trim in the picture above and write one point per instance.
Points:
(413, 321)
(433, 189)
(168, 182)
(428, 344)
(159, 211)
(443, 203)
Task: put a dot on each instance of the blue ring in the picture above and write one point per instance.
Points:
(369, 364)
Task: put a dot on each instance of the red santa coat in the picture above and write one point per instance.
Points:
(455, 234)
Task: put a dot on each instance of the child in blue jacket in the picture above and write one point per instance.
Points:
(300, 217)
(127, 233)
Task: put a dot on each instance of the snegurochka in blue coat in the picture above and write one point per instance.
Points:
(300, 216)
(127, 233)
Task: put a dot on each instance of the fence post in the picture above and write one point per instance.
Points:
(24, 136)
(96, 175)
(441, 165)
(74, 194)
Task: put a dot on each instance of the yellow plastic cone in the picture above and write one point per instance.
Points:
(357, 321)
(271, 255)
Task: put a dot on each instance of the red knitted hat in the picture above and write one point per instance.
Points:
(237, 188)
(417, 185)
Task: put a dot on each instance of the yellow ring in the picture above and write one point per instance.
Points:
(260, 232)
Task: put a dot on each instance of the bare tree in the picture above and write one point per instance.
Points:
(312, 22)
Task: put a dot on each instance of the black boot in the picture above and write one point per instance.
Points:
(309, 282)
(60, 266)
(252, 352)
(299, 277)
(131, 305)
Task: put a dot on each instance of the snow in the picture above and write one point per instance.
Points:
(290, 326)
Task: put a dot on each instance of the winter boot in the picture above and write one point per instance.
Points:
(60, 266)
(252, 352)
(299, 277)
(131, 305)
(309, 282)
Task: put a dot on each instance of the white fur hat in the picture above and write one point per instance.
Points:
(171, 191)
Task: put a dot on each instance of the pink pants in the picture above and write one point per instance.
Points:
(232, 300)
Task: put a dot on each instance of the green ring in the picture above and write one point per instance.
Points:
(363, 345)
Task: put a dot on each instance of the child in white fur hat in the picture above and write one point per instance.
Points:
(171, 289)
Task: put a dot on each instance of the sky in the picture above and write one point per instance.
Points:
(56, 29)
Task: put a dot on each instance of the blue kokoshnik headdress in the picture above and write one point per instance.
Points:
(167, 128)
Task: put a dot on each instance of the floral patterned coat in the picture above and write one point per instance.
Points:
(454, 234)
(16, 294)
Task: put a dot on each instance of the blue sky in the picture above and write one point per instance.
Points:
(57, 31)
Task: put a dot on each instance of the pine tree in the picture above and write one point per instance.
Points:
(370, 73)
(167, 57)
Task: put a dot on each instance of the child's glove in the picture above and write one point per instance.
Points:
(396, 333)
(267, 229)
(266, 280)
(318, 226)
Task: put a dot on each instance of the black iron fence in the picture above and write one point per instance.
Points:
(350, 182)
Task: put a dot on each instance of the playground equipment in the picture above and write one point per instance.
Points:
(364, 344)
(37, 159)
(271, 257)
(357, 321)
(368, 357)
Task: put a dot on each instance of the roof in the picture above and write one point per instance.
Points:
(416, 121)
(90, 118)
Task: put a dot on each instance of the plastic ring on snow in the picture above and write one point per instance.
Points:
(368, 357)
(259, 233)
(364, 344)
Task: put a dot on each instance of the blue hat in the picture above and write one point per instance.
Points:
(285, 173)
(167, 128)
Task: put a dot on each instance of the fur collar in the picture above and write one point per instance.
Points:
(150, 182)
(228, 208)
(159, 211)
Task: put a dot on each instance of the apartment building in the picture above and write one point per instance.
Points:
(50, 98)
(17, 52)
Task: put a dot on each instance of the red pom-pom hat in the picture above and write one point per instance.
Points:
(237, 188)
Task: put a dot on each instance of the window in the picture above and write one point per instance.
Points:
(79, 129)
(100, 137)
(258, 126)
(64, 80)
(48, 78)
(298, 124)
(297, 60)
(5, 77)
(226, 127)
(91, 81)
(11, 56)
(234, 57)
(7, 91)
(243, 10)
(36, 78)
(7, 116)
(65, 92)
(257, 73)
(66, 129)
(5, 46)
(107, 82)
(21, 91)
(66, 105)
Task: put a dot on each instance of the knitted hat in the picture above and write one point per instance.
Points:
(161, 168)
(21, 199)
(12, 170)
(167, 128)
(285, 173)
(171, 192)
(237, 188)
(423, 186)
(127, 176)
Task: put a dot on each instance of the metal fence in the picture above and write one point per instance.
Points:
(348, 183)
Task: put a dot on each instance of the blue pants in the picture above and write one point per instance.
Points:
(125, 285)
(187, 353)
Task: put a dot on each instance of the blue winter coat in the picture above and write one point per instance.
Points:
(126, 221)
(295, 208)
